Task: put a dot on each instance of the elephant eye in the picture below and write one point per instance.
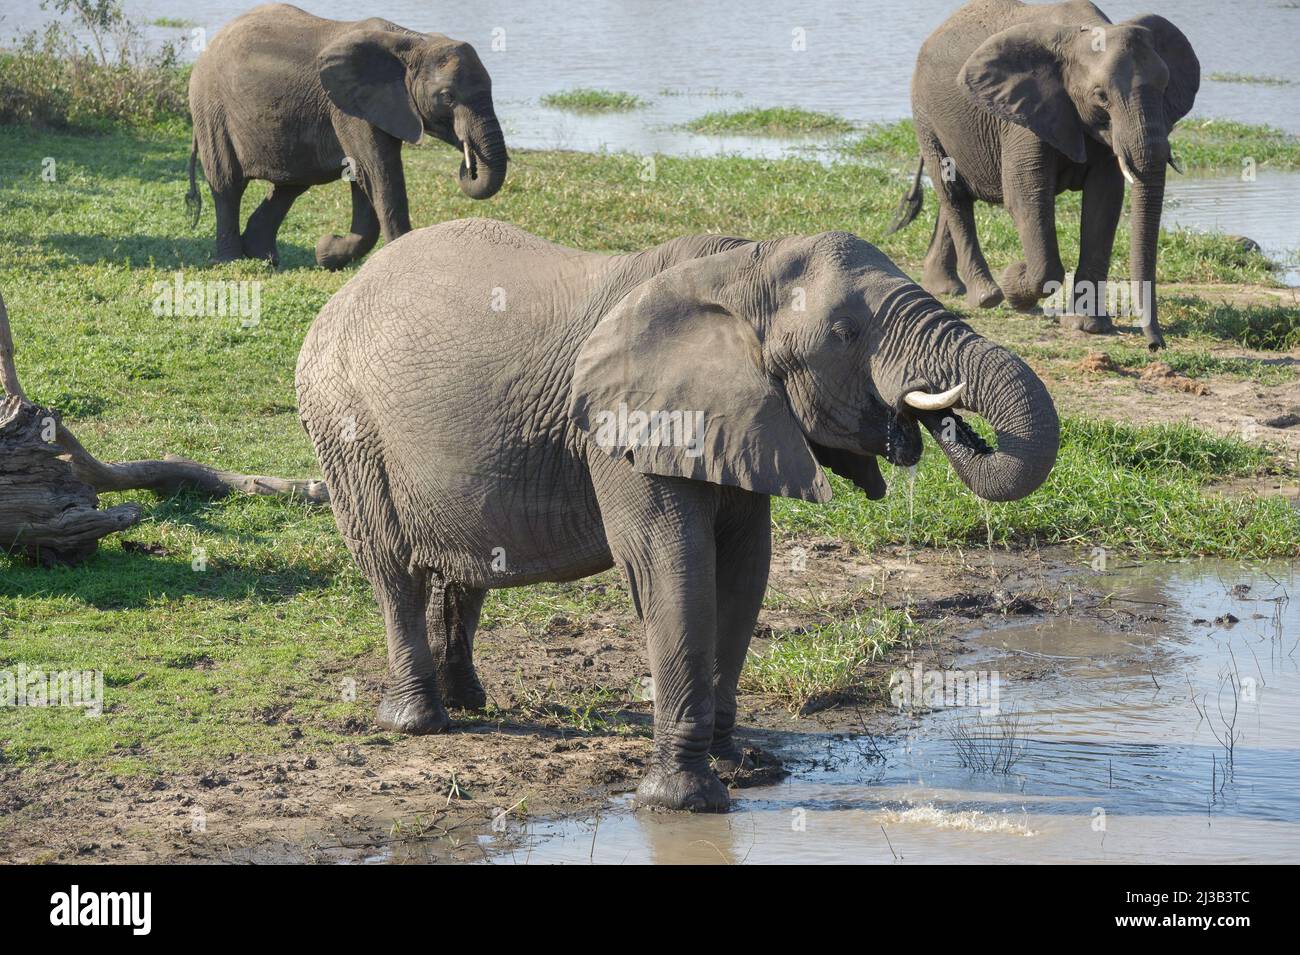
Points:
(1099, 95)
(845, 329)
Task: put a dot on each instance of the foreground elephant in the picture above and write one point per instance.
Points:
(1016, 104)
(298, 101)
(476, 396)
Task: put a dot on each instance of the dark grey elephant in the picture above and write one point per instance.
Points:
(1017, 104)
(298, 101)
(492, 410)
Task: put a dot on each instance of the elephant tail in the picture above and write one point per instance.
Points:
(193, 201)
(909, 207)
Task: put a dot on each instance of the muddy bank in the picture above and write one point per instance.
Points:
(565, 734)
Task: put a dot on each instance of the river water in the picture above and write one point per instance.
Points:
(1175, 738)
(853, 58)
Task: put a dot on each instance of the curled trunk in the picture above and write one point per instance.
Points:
(485, 149)
(1009, 396)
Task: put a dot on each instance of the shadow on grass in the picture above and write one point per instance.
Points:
(163, 252)
(119, 580)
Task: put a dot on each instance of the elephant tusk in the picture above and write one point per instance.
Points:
(465, 143)
(1174, 163)
(924, 401)
(1123, 167)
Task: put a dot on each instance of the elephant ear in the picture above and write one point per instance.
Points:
(1184, 68)
(861, 469)
(1016, 75)
(364, 77)
(671, 382)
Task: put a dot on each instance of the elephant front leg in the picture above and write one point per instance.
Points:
(660, 531)
(1029, 191)
(744, 559)
(681, 637)
(336, 251)
(1103, 200)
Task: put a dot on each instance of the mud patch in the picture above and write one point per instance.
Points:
(567, 730)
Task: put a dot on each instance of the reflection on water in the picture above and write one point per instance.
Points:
(1266, 210)
(1122, 756)
(856, 60)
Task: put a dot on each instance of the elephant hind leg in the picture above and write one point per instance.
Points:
(264, 223)
(336, 251)
(939, 275)
(369, 524)
(226, 199)
(451, 618)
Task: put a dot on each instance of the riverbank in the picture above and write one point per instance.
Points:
(242, 651)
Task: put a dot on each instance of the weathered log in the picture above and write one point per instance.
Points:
(49, 483)
(46, 510)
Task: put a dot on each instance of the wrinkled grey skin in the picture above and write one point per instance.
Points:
(453, 390)
(1026, 102)
(286, 97)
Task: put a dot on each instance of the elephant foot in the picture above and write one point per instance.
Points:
(983, 293)
(1092, 324)
(1155, 340)
(685, 789)
(461, 689)
(943, 284)
(1023, 294)
(335, 251)
(415, 713)
(222, 256)
(739, 768)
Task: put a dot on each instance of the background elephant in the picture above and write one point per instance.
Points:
(1017, 104)
(295, 100)
(473, 396)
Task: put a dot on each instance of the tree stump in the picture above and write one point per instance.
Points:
(49, 483)
(46, 511)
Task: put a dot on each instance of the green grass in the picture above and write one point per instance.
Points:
(1205, 144)
(593, 101)
(240, 657)
(1261, 327)
(1251, 78)
(824, 662)
(1191, 364)
(172, 23)
(1143, 490)
(776, 121)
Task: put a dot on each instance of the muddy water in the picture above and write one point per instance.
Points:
(1144, 732)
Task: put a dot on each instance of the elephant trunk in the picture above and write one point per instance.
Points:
(1141, 143)
(483, 168)
(1009, 396)
(1144, 232)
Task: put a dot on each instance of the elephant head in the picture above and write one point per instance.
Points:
(1124, 85)
(409, 83)
(784, 356)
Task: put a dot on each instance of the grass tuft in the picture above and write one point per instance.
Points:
(1251, 78)
(824, 663)
(593, 101)
(775, 121)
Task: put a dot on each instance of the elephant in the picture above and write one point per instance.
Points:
(493, 410)
(298, 101)
(1015, 103)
